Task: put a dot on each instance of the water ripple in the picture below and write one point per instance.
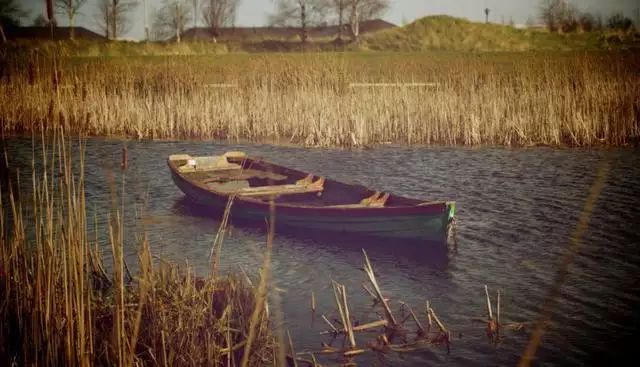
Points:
(516, 209)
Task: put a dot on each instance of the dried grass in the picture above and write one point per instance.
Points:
(58, 305)
(576, 99)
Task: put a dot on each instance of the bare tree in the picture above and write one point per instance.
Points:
(219, 13)
(70, 8)
(113, 19)
(300, 14)
(171, 19)
(617, 21)
(558, 14)
(40, 21)
(195, 13)
(587, 21)
(530, 23)
(10, 13)
(362, 10)
(340, 7)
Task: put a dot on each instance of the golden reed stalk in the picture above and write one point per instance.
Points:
(575, 99)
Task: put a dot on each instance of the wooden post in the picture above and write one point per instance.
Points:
(355, 20)
(50, 16)
(179, 21)
(114, 21)
(146, 22)
(303, 22)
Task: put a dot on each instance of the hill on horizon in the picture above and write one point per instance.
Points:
(447, 33)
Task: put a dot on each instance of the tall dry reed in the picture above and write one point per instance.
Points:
(59, 306)
(577, 99)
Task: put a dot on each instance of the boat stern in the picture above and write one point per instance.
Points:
(451, 210)
(451, 218)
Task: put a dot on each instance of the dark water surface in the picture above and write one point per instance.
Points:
(516, 210)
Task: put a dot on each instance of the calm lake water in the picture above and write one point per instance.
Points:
(516, 210)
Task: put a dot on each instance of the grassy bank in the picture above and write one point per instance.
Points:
(577, 99)
(456, 34)
(59, 306)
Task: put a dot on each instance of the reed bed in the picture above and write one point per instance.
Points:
(393, 327)
(59, 306)
(575, 99)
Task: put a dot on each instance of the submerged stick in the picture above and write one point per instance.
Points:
(429, 317)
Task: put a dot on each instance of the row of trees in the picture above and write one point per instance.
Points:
(562, 15)
(114, 17)
(111, 16)
(173, 16)
(305, 13)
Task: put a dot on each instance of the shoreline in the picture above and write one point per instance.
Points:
(634, 142)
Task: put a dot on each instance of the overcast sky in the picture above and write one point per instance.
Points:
(254, 12)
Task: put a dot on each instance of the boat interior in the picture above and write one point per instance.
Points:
(238, 174)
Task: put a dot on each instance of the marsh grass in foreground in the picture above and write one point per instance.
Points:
(575, 99)
(59, 306)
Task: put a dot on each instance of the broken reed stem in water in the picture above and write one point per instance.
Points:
(347, 316)
(359, 328)
(376, 288)
(489, 313)
(421, 331)
(498, 311)
(291, 350)
(313, 302)
(563, 270)
(313, 307)
(388, 330)
(333, 328)
(437, 320)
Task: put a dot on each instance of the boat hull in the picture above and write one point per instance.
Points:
(425, 223)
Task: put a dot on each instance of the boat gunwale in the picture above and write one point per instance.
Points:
(426, 206)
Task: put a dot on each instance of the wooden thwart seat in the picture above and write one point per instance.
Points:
(302, 186)
(208, 163)
(244, 174)
(377, 200)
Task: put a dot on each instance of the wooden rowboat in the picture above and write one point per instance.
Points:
(304, 201)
